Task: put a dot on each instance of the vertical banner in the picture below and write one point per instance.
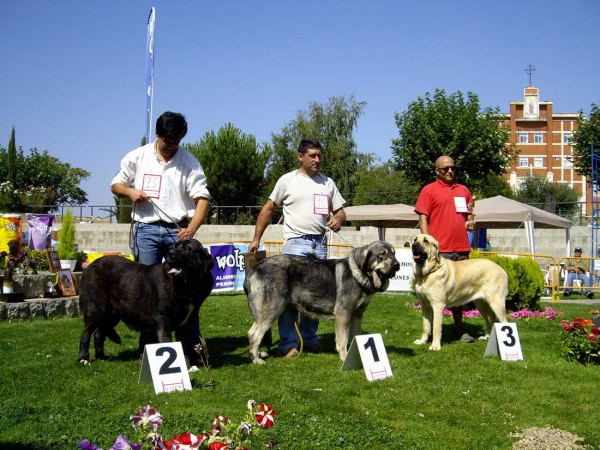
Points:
(150, 73)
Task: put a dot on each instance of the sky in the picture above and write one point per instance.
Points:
(73, 73)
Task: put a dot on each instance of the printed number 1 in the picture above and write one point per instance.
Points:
(371, 344)
(509, 335)
(166, 368)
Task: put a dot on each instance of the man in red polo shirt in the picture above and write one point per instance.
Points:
(445, 210)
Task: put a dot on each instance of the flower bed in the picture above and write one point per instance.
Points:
(223, 434)
(580, 340)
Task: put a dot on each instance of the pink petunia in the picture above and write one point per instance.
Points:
(146, 416)
(265, 416)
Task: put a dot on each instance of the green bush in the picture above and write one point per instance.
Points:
(525, 281)
(40, 257)
(67, 248)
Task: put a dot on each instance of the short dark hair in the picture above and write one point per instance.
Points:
(171, 126)
(307, 144)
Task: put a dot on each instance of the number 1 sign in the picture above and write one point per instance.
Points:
(368, 351)
(505, 340)
(164, 365)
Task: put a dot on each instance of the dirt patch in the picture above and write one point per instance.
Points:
(547, 438)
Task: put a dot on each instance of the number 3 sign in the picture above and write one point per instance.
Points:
(368, 351)
(164, 364)
(505, 340)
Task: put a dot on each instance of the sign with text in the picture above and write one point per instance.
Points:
(401, 281)
(368, 351)
(504, 341)
(164, 365)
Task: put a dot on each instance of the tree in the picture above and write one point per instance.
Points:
(12, 159)
(333, 124)
(557, 198)
(234, 164)
(491, 186)
(586, 135)
(451, 125)
(382, 185)
(43, 180)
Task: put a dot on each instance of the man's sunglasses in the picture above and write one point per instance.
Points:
(447, 168)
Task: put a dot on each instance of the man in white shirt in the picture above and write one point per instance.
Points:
(311, 204)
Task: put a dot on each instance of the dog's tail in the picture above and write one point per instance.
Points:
(112, 334)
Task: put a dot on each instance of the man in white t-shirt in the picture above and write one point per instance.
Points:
(311, 204)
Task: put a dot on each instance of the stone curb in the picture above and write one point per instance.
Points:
(47, 308)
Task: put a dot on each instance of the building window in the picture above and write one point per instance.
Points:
(523, 161)
(522, 137)
(567, 138)
(538, 162)
(568, 163)
(538, 138)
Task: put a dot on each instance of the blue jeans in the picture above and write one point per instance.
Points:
(304, 246)
(585, 280)
(151, 243)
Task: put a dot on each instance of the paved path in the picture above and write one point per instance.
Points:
(580, 301)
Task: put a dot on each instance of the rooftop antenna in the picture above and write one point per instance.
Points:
(530, 69)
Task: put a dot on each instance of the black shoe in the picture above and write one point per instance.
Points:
(589, 294)
(314, 349)
(567, 292)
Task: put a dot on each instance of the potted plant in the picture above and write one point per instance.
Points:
(67, 248)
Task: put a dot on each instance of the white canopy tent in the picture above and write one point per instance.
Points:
(495, 213)
(501, 212)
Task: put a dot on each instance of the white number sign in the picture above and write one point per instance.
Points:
(368, 351)
(164, 365)
(504, 340)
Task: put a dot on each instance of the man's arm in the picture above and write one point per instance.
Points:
(424, 224)
(262, 222)
(339, 217)
(136, 195)
(200, 213)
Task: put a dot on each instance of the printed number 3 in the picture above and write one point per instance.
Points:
(509, 335)
(167, 367)
(371, 344)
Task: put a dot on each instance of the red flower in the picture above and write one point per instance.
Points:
(217, 446)
(591, 337)
(265, 416)
(596, 331)
(187, 441)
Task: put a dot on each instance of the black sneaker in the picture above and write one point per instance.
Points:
(589, 294)
(567, 292)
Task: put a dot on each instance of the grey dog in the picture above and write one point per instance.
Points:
(339, 289)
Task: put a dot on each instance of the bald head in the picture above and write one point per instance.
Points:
(443, 161)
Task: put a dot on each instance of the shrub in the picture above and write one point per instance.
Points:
(67, 248)
(525, 281)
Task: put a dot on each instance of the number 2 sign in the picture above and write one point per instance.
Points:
(505, 340)
(164, 365)
(368, 351)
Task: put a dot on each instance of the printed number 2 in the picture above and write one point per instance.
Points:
(509, 335)
(371, 344)
(166, 368)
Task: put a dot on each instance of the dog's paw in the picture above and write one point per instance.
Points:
(256, 359)
(263, 355)
(85, 362)
(420, 342)
(435, 347)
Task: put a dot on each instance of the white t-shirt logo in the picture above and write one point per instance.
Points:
(321, 205)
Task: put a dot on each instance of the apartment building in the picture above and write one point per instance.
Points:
(543, 136)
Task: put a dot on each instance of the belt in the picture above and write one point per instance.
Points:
(161, 223)
(310, 237)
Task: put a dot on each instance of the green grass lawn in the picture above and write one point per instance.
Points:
(452, 399)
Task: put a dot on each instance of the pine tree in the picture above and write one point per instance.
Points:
(12, 159)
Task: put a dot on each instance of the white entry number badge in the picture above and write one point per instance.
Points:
(461, 204)
(151, 185)
(322, 204)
